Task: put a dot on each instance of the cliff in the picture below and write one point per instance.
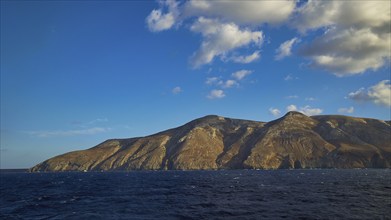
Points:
(214, 142)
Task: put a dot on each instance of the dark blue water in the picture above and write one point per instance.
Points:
(245, 194)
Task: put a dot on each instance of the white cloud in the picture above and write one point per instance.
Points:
(61, 133)
(221, 38)
(229, 83)
(239, 75)
(353, 37)
(349, 52)
(285, 49)
(211, 80)
(318, 14)
(225, 84)
(274, 111)
(216, 94)
(290, 108)
(310, 111)
(379, 94)
(157, 20)
(225, 25)
(307, 110)
(246, 59)
(349, 110)
(290, 77)
(177, 90)
(242, 12)
(357, 36)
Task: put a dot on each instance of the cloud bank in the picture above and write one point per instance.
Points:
(225, 26)
(356, 37)
(351, 37)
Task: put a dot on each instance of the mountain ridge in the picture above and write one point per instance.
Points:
(215, 142)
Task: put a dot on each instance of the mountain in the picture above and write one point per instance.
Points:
(214, 142)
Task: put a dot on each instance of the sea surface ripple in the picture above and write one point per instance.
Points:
(231, 194)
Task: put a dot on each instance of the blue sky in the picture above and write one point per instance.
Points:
(74, 73)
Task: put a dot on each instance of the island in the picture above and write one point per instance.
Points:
(294, 141)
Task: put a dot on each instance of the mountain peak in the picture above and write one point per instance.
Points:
(293, 114)
(212, 117)
(208, 119)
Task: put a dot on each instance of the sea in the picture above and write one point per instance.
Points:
(223, 194)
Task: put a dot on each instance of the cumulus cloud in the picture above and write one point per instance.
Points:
(349, 52)
(274, 111)
(359, 95)
(285, 49)
(242, 12)
(349, 110)
(229, 83)
(216, 94)
(221, 38)
(379, 94)
(176, 90)
(310, 111)
(225, 26)
(346, 14)
(222, 83)
(211, 80)
(239, 75)
(157, 20)
(352, 37)
(290, 108)
(357, 36)
(246, 59)
(307, 110)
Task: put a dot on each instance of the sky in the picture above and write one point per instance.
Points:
(76, 73)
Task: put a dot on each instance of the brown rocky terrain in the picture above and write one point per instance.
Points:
(214, 142)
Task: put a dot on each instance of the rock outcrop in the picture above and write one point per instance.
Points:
(214, 142)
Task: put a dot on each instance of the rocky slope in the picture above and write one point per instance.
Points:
(213, 142)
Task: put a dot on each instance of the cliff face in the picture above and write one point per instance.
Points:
(213, 142)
